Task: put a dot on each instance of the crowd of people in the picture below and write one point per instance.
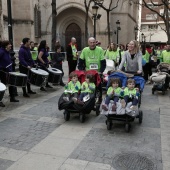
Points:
(134, 58)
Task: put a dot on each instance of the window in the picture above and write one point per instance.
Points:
(152, 27)
(152, 5)
(37, 22)
(151, 16)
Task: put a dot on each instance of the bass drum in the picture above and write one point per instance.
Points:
(38, 77)
(17, 79)
(2, 90)
(55, 75)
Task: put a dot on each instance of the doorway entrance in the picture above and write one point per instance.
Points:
(73, 30)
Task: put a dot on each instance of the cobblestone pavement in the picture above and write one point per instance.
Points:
(35, 136)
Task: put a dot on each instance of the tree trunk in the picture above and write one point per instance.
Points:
(108, 25)
(54, 24)
(86, 27)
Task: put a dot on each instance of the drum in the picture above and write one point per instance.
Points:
(2, 90)
(38, 77)
(17, 79)
(55, 75)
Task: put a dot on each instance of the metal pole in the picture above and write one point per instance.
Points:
(10, 34)
(117, 36)
(94, 26)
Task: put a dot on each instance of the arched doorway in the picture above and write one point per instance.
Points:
(73, 30)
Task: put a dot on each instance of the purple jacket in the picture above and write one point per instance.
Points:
(5, 60)
(44, 56)
(25, 57)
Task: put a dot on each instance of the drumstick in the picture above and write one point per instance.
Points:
(8, 65)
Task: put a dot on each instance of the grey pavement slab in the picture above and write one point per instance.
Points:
(23, 134)
(36, 132)
(4, 164)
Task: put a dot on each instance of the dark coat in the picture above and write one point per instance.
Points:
(5, 60)
(25, 57)
(69, 52)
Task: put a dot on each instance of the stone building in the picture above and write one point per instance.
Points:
(33, 19)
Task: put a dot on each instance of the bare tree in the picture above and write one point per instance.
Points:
(108, 10)
(152, 6)
(87, 6)
(54, 14)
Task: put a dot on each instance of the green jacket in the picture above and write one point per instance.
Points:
(117, 91)
(89, 88)
(72, 88)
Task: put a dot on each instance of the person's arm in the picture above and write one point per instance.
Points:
(122, 62)
(22, 59)
(161, 57)
(81, 62)
(40, 57)
(103, 65)
(102, 61)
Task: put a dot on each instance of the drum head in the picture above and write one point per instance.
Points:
(54, 70)
(39, 72)
(2, 87)
(17, 74)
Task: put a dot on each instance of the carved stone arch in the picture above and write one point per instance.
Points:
(64, 7)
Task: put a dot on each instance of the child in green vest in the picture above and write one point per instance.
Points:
(72, 88)
(113, 93)
(87, 87)
(131, 94)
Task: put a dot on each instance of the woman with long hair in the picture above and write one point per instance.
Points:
(133, 59)
(112, 53)
(42, 59)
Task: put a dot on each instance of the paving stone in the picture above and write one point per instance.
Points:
(45, 109)
(4, 164)
(15, 133)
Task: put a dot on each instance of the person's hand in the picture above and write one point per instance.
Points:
(28, 67)
(113, 92)
(77, 88)
(139, 72)
(137, 89)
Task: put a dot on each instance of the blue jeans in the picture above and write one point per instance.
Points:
(114, 98)
(134, 100)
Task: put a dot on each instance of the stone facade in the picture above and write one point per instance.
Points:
(70, 21)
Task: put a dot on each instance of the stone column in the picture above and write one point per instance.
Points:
(1, 19)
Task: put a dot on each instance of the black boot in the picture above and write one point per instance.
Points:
(13, 99)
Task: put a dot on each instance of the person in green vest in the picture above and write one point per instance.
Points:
(87, 88)
(131, 94)
(145, 62)
(113, 93)
(158, 53)
(72, 88)
(34, 50)
(112, 53)
(92, 58)
(72, 55)
(165, 56)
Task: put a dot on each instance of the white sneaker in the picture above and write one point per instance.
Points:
(133, 107)
(66, 99)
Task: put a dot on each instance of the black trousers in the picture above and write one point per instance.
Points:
(45, 68)
(25, 70)
(146, 71)
(60, 68)
(72, 64)
(4, 79)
